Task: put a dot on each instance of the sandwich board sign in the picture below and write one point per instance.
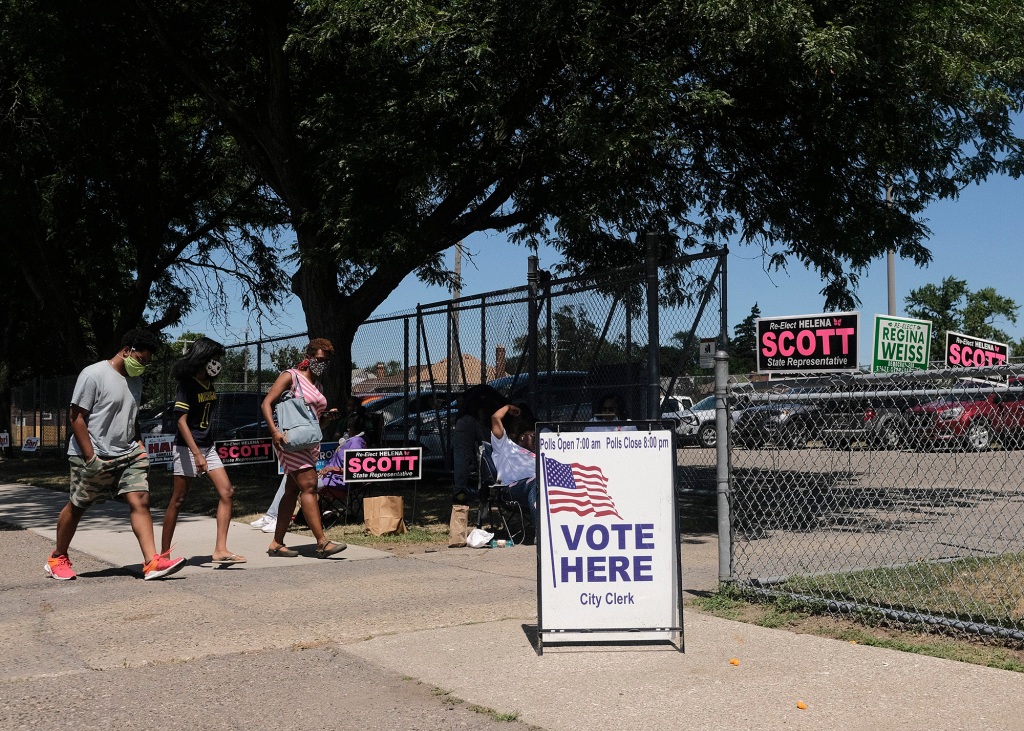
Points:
(608, 558)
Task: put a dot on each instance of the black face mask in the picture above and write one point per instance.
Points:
(317, 367)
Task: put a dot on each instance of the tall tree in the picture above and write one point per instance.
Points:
(743, 347)
(575, 344)
(952, 306)
(121, 198)
(391, 129)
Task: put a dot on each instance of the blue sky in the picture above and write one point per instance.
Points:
(974, 237)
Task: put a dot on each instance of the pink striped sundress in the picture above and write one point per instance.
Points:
(306, 458)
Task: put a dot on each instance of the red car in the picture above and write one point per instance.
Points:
(971, 421)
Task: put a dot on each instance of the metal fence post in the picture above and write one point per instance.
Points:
(532, 279)
(722, 472)
(653, 330)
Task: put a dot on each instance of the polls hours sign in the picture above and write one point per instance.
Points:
(820, 343)
(608, 537)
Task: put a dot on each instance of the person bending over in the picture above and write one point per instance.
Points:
(512, 444)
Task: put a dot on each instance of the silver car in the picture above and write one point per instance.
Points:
(697, 424)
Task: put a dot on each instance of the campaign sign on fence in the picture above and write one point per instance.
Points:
(370, 465)
(5, 439)
(246, 451)
(159, 447)
(964, 351)
(901, 344)
(30, 444)
(327, 450)
(821, 343)
(609, 551)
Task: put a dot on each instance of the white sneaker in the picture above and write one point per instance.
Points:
(260, 522)
(270, 526)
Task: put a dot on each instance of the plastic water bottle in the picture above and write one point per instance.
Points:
(509, 543)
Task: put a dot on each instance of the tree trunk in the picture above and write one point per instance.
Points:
(327, 317)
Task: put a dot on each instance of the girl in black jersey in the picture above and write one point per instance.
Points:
(194, 453)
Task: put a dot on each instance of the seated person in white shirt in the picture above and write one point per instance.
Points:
(512, 442)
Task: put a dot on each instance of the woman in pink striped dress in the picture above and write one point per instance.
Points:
(300, 466)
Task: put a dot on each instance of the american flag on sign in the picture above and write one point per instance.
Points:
(577, 488)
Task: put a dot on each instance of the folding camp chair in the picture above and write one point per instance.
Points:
(495, 498)
(339, 503)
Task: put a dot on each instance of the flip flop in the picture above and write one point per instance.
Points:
(233, 558)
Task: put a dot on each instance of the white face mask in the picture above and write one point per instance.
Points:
(213, 368)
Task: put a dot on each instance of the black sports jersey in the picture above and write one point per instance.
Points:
(198, 402)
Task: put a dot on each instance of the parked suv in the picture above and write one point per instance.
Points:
(236, 416)
(874, 421)
(970, 421)
(561, 396)
(697, 423)
(785, 424)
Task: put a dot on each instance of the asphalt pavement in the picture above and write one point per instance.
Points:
(439, 640)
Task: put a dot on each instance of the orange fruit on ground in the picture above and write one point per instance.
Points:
(801, 705)
(734, 661)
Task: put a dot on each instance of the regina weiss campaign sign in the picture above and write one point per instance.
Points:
(609, 550)
(808, 343)
(901, 344)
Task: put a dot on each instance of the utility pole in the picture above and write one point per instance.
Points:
(890, 261)
(454, 349)
(245, 359)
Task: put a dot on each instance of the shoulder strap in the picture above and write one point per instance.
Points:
(297, 383)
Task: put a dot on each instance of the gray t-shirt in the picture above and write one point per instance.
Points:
(112, 401)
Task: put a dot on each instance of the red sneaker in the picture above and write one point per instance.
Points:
(59, 567)
(162, 565)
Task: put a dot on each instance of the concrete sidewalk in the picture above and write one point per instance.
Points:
(374, 625)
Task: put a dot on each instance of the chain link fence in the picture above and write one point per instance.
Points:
(900, 495)
(560, 345)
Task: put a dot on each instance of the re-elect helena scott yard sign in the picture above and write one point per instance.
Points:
(820, 343)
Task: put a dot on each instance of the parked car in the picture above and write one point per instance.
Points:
(697, 423)
(783, 424)
(561, 396)
(234, 417)
(969, 419)
(874, 421)
(157, 419)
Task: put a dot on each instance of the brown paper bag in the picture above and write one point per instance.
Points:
(384, 515)
(458, 526)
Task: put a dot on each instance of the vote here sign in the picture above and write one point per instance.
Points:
(821, 343)
(609, 549)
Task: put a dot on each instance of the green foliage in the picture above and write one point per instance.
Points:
(743, 347)
(121, 198)
(393, 129)
(576, 343)
(951, 306)
(287, 356)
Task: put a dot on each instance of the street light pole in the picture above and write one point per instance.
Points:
(891, 261)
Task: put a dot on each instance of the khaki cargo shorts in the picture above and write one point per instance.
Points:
(95, 482)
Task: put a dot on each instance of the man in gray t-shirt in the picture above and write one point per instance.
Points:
(106, 453)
